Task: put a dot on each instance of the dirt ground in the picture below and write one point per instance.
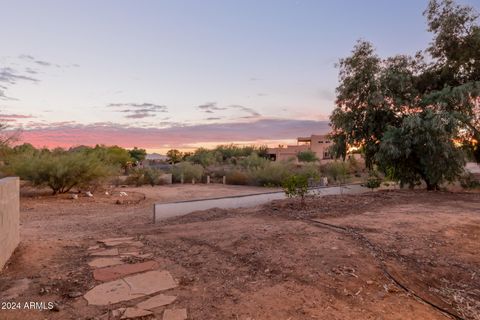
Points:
(382, 255)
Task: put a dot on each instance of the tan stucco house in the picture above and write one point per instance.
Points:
(316, 143)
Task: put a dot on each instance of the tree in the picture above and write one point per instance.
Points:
(307, 156)
(362, 114)
(174, 156)
(296, 186)
(451, 82)
(137, 154)
(60, 172)
(422, 149)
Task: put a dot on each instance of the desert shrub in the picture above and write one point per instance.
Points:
(237, 177)
(307, 156)
(142, 176)
(373, 180)
(296, 186)
(310, 170)
(189, 170)
(469, 181)
(61, 171)
(336, 171)
(203, 157)
(253, 161)
(272, 174)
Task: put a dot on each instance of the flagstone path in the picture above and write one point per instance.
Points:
(122, 281)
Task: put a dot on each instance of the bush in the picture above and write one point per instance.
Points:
(142, 176)
(373, 181)
(272, 174)
(307, 156)
(296, 186)
(237, 177)
(253, 161)
(336, 171)
(469, 181)
(61, 171)
(190, 171)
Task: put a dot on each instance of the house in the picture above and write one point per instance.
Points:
(319, 144)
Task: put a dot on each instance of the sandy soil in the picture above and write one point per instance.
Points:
(336, 258)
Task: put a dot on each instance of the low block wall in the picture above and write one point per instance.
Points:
(172, 209)
(9, 218)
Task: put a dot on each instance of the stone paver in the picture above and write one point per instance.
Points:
(110, 293)
(175, 314)
(151, 282)
(105, 262)
(107, 252)
(133, 313)
(122, 270)
(131, 287)
(156, 302)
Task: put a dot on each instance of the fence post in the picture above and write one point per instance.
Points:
(208, 179)
(224, 180)
(181, 178)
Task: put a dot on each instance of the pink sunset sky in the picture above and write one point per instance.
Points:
(183, 74)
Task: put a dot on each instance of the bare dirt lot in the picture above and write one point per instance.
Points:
(382, 255)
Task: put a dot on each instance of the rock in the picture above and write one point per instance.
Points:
(74, 196)
(105, 262)
(56, 307)
(133, 313)
(93, 248)
(74, 294)
(156, 301)
(107, 252)
(123, 194)
(175, 314)
(88, 194)
(131, 287)
(369, 282)
(119, 271)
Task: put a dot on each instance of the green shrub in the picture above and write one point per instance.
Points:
(190, 171)
(469, 181)
(61, 171)
(272, 174)
(336, 171)
(307, 156)
(296, 186)
(373, 181)
(253, 161)
(142, 176)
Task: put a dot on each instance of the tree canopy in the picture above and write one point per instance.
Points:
(383, 101)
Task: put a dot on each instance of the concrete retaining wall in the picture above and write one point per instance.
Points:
(172, 209)
(9, 218)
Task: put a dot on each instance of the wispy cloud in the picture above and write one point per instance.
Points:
(210, 107)
(252, 113)
(139, 110)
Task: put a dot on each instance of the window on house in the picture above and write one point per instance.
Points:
(326, 155)
(327, 141)
(320, 141)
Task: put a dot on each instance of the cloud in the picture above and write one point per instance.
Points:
(252, 112)
(68, 134)
(34, 60)
(16, 116)
(11, 76)
(139, 110)
(210, 107)
(213, 118)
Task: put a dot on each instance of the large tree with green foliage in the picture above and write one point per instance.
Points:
(378, 100)
(422, 149)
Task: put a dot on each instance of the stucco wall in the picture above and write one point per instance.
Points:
(9, 218)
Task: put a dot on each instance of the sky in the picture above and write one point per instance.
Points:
(186, 73)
